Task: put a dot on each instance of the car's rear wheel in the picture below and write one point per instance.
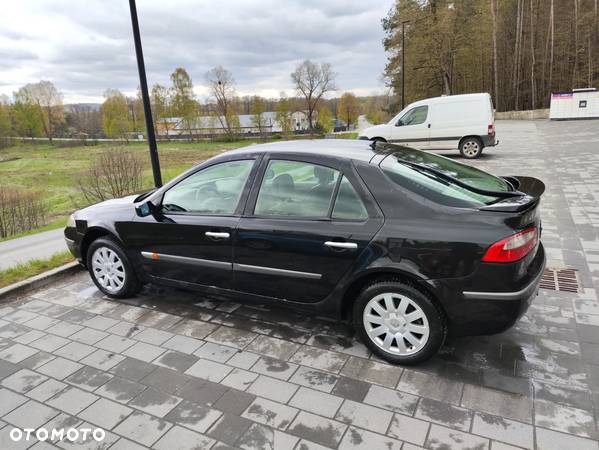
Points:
(111, 270)
(398, 322)
(471, 147)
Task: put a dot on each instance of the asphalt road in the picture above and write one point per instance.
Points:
(41, 245)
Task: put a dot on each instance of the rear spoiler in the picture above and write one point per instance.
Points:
(529, 192)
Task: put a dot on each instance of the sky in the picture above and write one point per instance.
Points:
(86, 46)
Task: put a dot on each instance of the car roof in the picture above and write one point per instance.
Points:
(350, 149)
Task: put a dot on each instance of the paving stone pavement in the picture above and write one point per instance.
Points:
(171, 369)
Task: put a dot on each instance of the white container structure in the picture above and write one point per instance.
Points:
(575, 104)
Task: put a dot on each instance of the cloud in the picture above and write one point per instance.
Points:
(85, 47)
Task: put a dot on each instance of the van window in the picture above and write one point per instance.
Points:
(414, 116)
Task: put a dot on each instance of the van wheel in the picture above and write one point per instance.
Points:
(379, 139)
(471, 147)
(110, 269)
(398, 322)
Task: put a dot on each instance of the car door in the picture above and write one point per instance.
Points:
(413, 128)
(305, 225)
(189, 236)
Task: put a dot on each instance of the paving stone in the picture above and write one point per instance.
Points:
(270, 413)
(194, 328)
(102, 360)
(59, 368)
(120, 389)
(49, 343)
(126, 444)
(19, 316)
(46, 390)
(34, 305)
(194, 416)
(41, 323)
(501, 429)
(166, 380)
(364, 416)
(215, 352)
(316, 402)
(9, 401)
(352, 389)
(114, 343)
(319, 359)
(316, 379)
(273, 347)
(441, 438)
(234, 401)
(259, 437)
(105, 413)
(239, 379)
(153, 336)
(577, 398)
(132, 369)
(29, 337)
(408, 429)
(77, 316)
(17, 353)
(372, 371)
(430, 386)
(30, 415)
(182, 439)
(72, 400)
(125, 329)
(209, 370)
(155, 402)
(160, 320)
(204, 392)
(7, 442)
(13, 330)
(126, 313)
(232, 337)
(56, 311)
(64, 329)
(142, 428)
(75, 351)
(23, 381)
(444, 414)
(275, 368)
(565, 418)
(273, 389)
(88, 378)
(553, 440)
(304, 444)
(183, 344)
(37, 360)
(229, 428)
(504, 404)
(317, 429)
(176, 360)
(144, 352)
(356, 439)
(391, 399)
(101, 323)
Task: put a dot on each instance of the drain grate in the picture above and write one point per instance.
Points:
(564, 280)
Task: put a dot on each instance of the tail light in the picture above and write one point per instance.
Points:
(512, 248)
(491, 130)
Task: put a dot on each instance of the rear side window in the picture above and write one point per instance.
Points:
(348, 205)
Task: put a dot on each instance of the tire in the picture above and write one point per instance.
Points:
(121, 281)
(431, 326)
(379, 139)
(471, 147)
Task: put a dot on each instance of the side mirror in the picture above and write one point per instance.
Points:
(399, 123)
(145, 209)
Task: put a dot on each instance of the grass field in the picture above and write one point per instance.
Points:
(34, 267)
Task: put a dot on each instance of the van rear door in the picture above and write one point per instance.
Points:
(451, 120)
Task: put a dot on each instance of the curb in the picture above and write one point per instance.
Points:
(40, 280)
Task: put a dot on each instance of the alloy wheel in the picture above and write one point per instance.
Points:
(396, 324)
(108, 269)
(471, 148)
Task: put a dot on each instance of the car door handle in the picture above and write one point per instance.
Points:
(343, 245)
(217, 235)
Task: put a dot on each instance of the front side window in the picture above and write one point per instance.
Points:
(213, 190)
(296, 189)
(414, 116)
(348, 205)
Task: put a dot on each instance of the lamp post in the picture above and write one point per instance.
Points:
(403, 62)
(143, 84)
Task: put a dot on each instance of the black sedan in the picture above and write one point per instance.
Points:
(405, 244)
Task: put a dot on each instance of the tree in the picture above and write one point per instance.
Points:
(5, 122)
(115, 114)
(161, 108)
(222, 88)
(183, 101)
(28, 120)
(325, 119)
(312, 81)
(46, 97)
(284, 114)
(84, 119)
(348, 109)
(257, 111)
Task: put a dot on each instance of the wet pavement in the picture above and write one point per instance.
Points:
(172, 369)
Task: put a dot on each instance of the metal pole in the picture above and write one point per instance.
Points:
(143, 83)
(403, 64)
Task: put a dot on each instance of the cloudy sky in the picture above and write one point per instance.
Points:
(86, 46)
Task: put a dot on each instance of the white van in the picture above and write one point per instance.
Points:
(465, 122)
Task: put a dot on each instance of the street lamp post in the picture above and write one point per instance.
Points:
(403, 62)
(143, 84)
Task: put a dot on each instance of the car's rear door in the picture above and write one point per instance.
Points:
(306, 222)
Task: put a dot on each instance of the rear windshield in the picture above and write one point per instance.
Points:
(437, 188)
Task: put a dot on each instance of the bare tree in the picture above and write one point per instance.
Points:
(47, 98)
(312, 81)
(222, 87)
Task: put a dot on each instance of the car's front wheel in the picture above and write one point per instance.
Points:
(111, 269)
(398, 322)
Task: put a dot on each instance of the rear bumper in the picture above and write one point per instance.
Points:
(490, 141)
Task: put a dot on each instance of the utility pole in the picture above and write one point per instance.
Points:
(143, 83)
(403, 62)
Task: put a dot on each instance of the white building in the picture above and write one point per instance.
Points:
(575, 104)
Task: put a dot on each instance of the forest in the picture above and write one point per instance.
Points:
(518, 50)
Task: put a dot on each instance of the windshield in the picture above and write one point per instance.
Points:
(462, 172)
